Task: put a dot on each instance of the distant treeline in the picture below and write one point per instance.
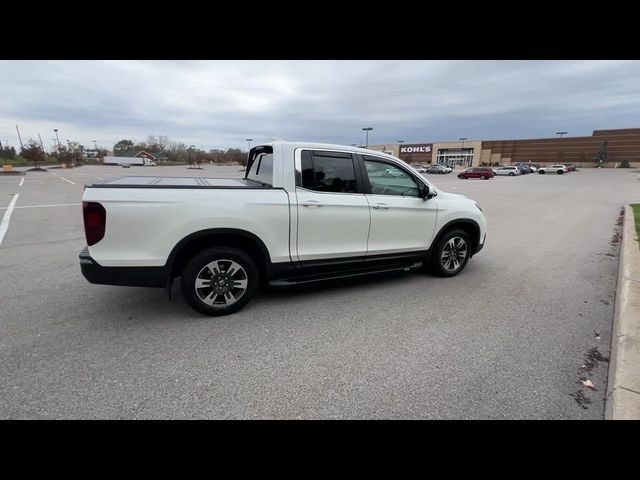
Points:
(165, 149)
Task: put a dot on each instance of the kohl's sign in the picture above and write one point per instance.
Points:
(415, 149)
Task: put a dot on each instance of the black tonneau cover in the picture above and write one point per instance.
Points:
(176, 182)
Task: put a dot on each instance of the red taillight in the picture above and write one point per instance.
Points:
(95, 219)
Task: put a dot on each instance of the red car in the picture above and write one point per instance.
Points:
(483, 173)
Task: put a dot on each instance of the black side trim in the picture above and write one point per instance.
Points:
(312, 270)
(345, 274)
(124, 276)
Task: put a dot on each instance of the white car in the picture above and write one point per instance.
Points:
(303, 212)
(511, 171)
(559, 169)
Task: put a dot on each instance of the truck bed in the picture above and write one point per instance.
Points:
(177, 182)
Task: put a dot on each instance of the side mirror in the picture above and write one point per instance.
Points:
(424, 192)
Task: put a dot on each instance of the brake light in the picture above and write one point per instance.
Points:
(95, 219)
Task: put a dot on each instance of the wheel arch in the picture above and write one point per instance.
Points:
(211, 237)
(468, 225)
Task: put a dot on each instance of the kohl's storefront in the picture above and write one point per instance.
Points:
(452, 154)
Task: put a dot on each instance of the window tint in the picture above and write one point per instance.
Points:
(328, 174)
(262, 169)
(387, 179)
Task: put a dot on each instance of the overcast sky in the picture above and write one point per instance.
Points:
(218, 104)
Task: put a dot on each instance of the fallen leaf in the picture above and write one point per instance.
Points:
(588, 383)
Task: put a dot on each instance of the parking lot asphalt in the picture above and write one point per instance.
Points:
(507, 338)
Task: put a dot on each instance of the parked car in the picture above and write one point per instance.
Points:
(524, 169)
(508, 170)
(483, 173)
(286, 221)
(559, 169)
(419, 168)
(438, 169)
(570, 167)
(531, 166)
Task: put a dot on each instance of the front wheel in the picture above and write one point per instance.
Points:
(219, 281)
(511, 174)
(541, 172)
(451, 253)
(560, 172)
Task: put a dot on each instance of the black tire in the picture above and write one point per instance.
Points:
(560, 172)
(197, 268)
(436, 262)
(541, 172)
(511, 174)
(482, 177)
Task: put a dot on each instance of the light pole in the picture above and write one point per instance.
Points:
(367, 129)
(462, 148)
(57, 139)
(249, 140)
(561, 133)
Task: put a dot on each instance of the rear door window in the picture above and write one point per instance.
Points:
(328, 172)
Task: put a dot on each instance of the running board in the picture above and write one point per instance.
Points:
(338, 275)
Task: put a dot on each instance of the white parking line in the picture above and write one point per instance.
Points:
(53, 174)
(42, 206)
(4, 225)
(67, 180)
(21, 182)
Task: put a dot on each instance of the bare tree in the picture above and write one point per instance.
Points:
(32, 151)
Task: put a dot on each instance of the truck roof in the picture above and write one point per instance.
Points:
(324, 145)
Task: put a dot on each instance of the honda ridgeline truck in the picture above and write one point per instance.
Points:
(303, 212)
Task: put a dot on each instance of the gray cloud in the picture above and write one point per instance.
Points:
(217, 104)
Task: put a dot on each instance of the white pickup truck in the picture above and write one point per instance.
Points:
(122, 161)
(303, 212)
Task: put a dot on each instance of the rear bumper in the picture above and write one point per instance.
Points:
(124, 276)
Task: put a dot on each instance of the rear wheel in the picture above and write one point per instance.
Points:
(482, 177)
(451, 253)
(219, 281)
(560, 172)
(541, 172)
(511, 174)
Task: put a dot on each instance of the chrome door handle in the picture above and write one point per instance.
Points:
(382, 206)
(311, 203)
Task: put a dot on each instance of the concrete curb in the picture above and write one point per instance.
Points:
(623, 390)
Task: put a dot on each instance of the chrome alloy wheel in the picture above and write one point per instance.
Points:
(453, 254)
(221, 283)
